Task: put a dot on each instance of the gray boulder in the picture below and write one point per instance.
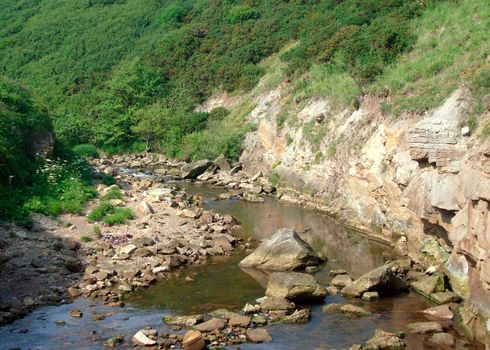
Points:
(294, 286)
(193, 170)
(222, 163)
(382, 280)
(284, 251)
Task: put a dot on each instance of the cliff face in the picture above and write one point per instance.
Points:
(420, 181)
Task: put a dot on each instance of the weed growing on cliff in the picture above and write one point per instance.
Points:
(274, 179)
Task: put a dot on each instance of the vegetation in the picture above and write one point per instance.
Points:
(28, 182)
(109, 214)
(138, 89)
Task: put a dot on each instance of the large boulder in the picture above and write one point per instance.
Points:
(382, 280)
(294, 286)
(284, 251)
(222, 163)
(193, 170)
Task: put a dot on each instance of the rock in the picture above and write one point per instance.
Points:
(338, 272)
(442, 339)
(211, 325)
(284, 251)
(258, 335)
(424, 327)
(441, 311)
(294, 286)
(193, 340)
(330, 308)
(382, 280)
(76, 313)
(276, 304)
(145, 209)
(193, 170)
(331, 290)
(457, 269)
(187, 321)
(239, 321)
(353, 310)
(222, 163)
(249, 309)
(370, 296)
(445, 297)
(187, 213)
(341, 281)
(430, 284)
(251, 197)
(258, 321)
(298, 316)
(73, 265)
(126, 250)
(114, 341)
(384, 341)
(140, 339)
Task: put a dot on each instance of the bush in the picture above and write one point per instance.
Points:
(114, 193)
(99, 212)
(86, 150)
(85, 239)
(119, 216)
(242, 13)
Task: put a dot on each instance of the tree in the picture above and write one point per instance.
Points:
(151, 123)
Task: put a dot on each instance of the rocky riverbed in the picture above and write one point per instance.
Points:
(173, 229)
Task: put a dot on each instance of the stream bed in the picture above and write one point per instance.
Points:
(222, 284)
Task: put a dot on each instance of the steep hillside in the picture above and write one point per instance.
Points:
(104, 67)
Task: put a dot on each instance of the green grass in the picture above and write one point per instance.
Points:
(86, 150)
(452, 48)
(85, 239)
(99, 212)
(114, 193)
(119, 216)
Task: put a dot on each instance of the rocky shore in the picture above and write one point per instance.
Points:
(56, 262)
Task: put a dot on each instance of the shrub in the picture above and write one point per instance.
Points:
(114, 193)
(86, 150)
(274, 178)
(100, 211)
(119, 216)
(242, 13)
(85, 239)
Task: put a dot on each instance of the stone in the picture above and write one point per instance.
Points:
(239, 321)
(457, 269)
(442, 312)
(337, 272)
(353, 310)
(251, 197)
(211, 325)
(222, 163)
(187, 213)
(341, 281)
(430, 284)
(276, 304)
(294, 286)
(370, 296)
(258, 321)
(126, 250)
(141, 339)
(284, 251)
(193, 170)
(249, 309)
(445, 297)
(424, 327)
(382, 280)
(114, 341)
(73, 265)
(258, 335)
(193, 340)
(76, 313)
(384, 341)
(330, 308)
(442, 339)
(298, 316)
(187, 321)
(145, 209)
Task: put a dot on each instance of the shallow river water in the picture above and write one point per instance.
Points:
(222, 284)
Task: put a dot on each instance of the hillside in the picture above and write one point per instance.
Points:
(104, 67)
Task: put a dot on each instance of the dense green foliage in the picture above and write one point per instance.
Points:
(28, 183)
(127, 74)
